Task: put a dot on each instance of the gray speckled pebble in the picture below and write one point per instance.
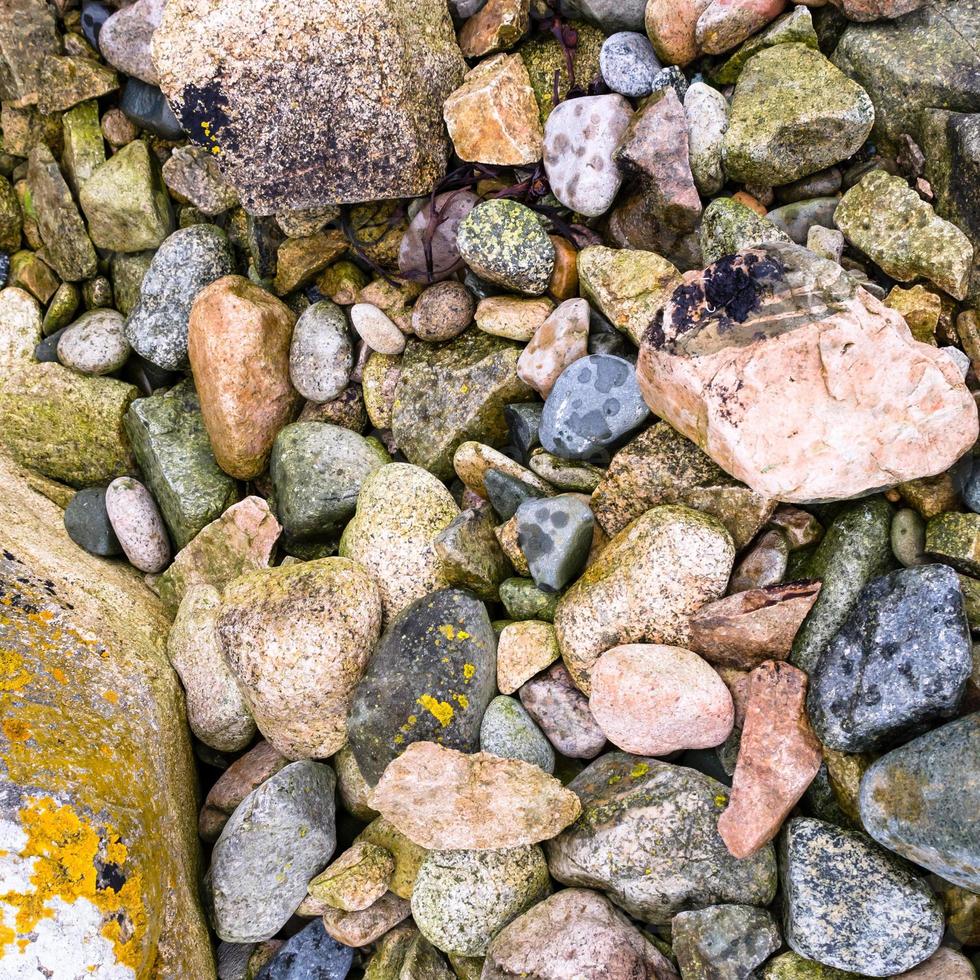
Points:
(320, 355)
(309, 955)
(555, 535)
(506, 493)
(723, 942)
(87, 523)
(628, 63)
(509, 731)
(137, 523)
(95, 343)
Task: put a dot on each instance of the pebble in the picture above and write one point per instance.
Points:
(556, 343)
(320, 354)
(376, 329)
(443, 311)
(508, 731)
(526, 647)
(471, 555)
(473, 461)
(192, 173)
(563, 712)
(88, 525)
(355, 880)
(723, 25)
(798, 219)
(671, 25)
(763, 565)
(446, 212)
(628, 64)
(707, 122)
(566, 474)
(137, 524)
(124, 40)
(95, 343)
(506, 493)
(514, 319)
(309, 955)
(723, 940)
(555, 535)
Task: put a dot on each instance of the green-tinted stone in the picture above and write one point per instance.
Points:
(508, 731)
(172, 448)
(471, 554)
(728, 226)
(11, 220)
(792, 966)
(61, 309)
(954, 539)
(342, 281)
(127, 270)
(565, 474)
(408, 855)
(24, 128)
(66, 426)
(971, 600)
(84, 146)
(524, 600)
(30, 273)
(543, 56)
(97, 293)
(723, 941)
(794, 27)
(66, 81)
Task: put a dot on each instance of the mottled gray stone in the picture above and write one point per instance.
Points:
(563, 713)
(610, 15)
(628, 63)
(723, 942)
(509, 731)
(555, 536)
(320, 354)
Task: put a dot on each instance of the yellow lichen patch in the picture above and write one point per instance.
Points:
(640, 769)
(462, 700)
(59, 675)
(16, 731)
(448, 631)
(468, 671)
(442, 711)
(13, 675)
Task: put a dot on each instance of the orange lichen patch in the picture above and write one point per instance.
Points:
(111, 696)
(59, 675)
(16, 731)
(13, 674)
(68, 852)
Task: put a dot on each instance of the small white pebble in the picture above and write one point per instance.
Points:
(376, 329)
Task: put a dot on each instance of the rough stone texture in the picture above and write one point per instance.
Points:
(555, 535)
(331, 101)
(66, 81)
(298, 638)
(471, 556)
(544, 57)
(497, 24)
(310, 954)
(192, 173)
(439, 797)
(804, 324)
(944, 964)
(356, 879)
(20, 327)
(921, 801)
(723, 942)
(27, 34)
(407, 854)
(95, 343)
(900, 661)
(671, 28)
(851, 905)
(562, 711)
(794, 26)
(363, 928)
(644, 586)
(561, 339)
(509, 731)
(647, 837)
(729, 226)
(84, 638)
(124, 39)
(523, 649)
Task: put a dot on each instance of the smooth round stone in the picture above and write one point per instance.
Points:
(47, 351)
(88, 525)
(148, 107)
(138, 525)
(95, 343)
(798, 218)
(509, 731)
(595, 401)
(309, 955)
(555, 535)
(320, 354)
(376, 329)
(506, 493)
(451, 208)
(443, 311)
(628, 64)
(908, 536)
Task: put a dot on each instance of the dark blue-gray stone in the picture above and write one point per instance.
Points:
(148, 107)
(47, 349)
(523, 421)
(309, 955)
(94, 15)
(900, 661)
(595, 401)
(723, 942)
(555, 535)
(506, 493)
(431, 677)
(604, 338)
(923, 801)
(851, 905)
(87, 523)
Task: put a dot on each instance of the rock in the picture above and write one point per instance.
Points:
(576, 933)
(192, 173)
(300, 260)
(723, 25)
(902, 234)
(378, 381)
(400, 510)
(184, 264)
(277, 839)
(655, 700)
(475, 463)
(566, 474)
(408, 856)
(430, 679)
(851, 905)
(944, 964)
(317, 471)
(84, 147)
(83, 639)
(20, 327)
(594, 125)
(174, 454)
(298, 638)
(783, 92)
(555, 535)
(728, 226)
(376, 329)
(243, 375)
(647, 838)
(125, 203)
(443, 311)
(66, 81)
(216, 710)
(320, 353)
(506, 492)
(792, 966)
(508, 731)
(908, 537)
(900, 661)
(864, 10)
(763, 565)
(147, 107)
(124, 39)
(453, 393)
(919, 801)
(610, 15)
(954, 538)
(261, 99)
(723, 940)
(793, 27)
(628, 64)
(562, 711)
(438, 796)
(355, 880)
(498, 24)
(671, 28)
(137, 524)
(798, 218)
(127, 270)
(493, 116)
(29, 34)
(310, 954)
(561, 339)
(364, 928)
(512, 318)
(778, 758)
(846, 444)
(95, 343)
(644, 586)
(87, 524)
(523, 648)
(707, 122)
(462, 899)
(470, 554)
(445, 213)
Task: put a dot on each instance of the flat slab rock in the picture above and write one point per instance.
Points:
(862, 405)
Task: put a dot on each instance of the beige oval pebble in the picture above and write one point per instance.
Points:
(376, 329)
(95, 343)
(653, 700)
(135, 518)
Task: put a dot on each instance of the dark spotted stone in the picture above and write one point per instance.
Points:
(94, 15)
(87, 523)
(506, 493)
(47, 350)
(555, 535)
(309, 955)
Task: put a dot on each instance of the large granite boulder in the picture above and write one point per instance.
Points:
(100, 856)
(313, 103)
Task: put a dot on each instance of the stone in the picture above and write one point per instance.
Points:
(851, 905)
(67, 246)
(763, 565)
(67, 80)
(364, 928)
(580, 136)
(28, 271)
(512, 318)
(320, 354)
(83, 638)
(921, 309)
(400, 510)
(899, 662)
(216, 710)
(784, 93)
(117, 128)
(29, 34)
(174, 454)
(628, 286)
(506, 493)
(654, 700)
(865, 10)
(575, 934)
(376, 329)
(440, 797)
(298, 638)
(261, 100)
(723, 24)
(524, 649)
(462, 899)
(356, 879)
(944, 964)
(470, 554)
(707, 122)
(137, 524)
(644, 586)
(408, 855)
(378, 381)
(61, 309)
(566, 474)
(493, 116)
(87, 523)
(20, 327)
(954, 539)
(243, 375)
(628, 64)
(555, 535)
(147, 107)
(127, 270)
(347, 409)
(829, 244)
(430, 679)
(544, 56)
(498, 24)
(647, 838)
(563, 712)
(443, 311)
(903, 235)
(441, 258)
(798, 218)
(919, 801)
(750, 627)
(124, 39)
(796, 26)
(64, 425)
(724, 941)
(908, 537)
(95, 343)
(508, 731)
(454, 393)
(671, 29)
(792, 966)
(185, 263)
(192, 174)
(474, 462)
(11, 217)
(729, 226)
(310, 954)
(561, 339)
(846, 444)
(277, 839)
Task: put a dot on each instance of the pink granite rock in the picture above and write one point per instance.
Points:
(944, 964)
(864, 10)
(727, 23)
(861, 404)
(654, 700)
(777, 759)
(364, 927)
(561, 339)
(671, 26)
(562, 712)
